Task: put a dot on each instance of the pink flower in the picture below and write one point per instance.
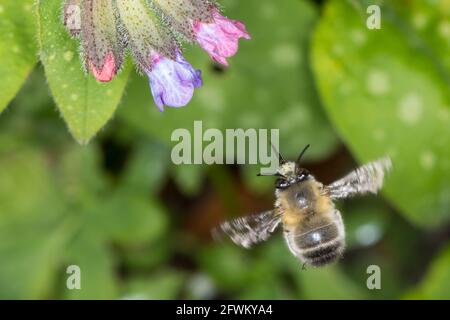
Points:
(108, 70)
(220, 38)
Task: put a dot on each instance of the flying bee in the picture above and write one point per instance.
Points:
(312, 226)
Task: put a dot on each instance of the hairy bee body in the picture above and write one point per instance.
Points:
(312, 226)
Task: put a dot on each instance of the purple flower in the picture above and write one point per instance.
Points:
(172, 82)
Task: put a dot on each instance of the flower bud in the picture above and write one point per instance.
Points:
(144, 32)
(182, 13)
(102, 49)
(72, 16)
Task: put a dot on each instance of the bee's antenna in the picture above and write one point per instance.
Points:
(302, 153)
(280, 157)
(276, 174)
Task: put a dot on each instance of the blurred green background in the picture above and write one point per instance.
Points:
(139, 227)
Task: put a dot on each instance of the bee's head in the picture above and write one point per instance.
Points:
(291, 172)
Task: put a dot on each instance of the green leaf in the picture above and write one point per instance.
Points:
(33, 98)
(366, 222)
(32, 233)
(387, 93)
(189, 178)
(148, 256)
(267, 289)
(147, 168)
(436, 282)
(79, 173)
(268, 84)
(30, 262)
(133, 219)
(227, 265)
(85, 104)
(162, 285)
(17, 46)
(254, 182)
(25, 170)
(272, 287)
(328, 283)
(90, 253)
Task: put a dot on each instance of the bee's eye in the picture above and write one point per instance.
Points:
(302, 175)
(281, 183)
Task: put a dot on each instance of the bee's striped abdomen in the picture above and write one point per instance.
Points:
(323, 254)
(317, 241)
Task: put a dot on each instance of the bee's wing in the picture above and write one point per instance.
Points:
(248, 230)
(365, 179)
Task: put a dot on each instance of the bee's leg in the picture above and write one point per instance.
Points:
(304, 266)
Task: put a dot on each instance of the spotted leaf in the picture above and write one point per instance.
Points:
(17, 46)
(387, 92)
(85, 104)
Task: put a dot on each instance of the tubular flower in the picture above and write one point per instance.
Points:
(201, 21)
(100, 39)
(107, 71)
(172, 82)
(106, 28)
(220, 38)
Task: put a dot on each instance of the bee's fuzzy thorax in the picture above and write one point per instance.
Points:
(287, 169)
